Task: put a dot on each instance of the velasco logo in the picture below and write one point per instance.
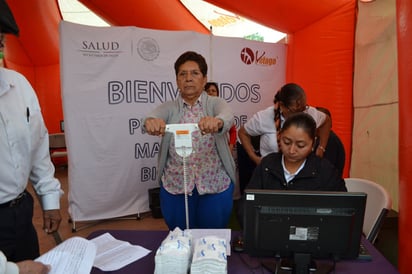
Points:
(248, 56)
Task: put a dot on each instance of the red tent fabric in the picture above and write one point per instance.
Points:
(320, 57)
(35, 53)
(404, 26)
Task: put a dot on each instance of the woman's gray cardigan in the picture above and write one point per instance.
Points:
(172, 111)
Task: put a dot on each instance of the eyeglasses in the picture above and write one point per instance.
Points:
(193, 73)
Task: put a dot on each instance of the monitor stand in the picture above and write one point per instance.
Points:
(301, 263)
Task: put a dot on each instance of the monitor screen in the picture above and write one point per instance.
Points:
(283, 223)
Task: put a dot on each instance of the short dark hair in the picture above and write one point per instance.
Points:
(209, 84)
(8, 24)
(191, 56)
(301, 120)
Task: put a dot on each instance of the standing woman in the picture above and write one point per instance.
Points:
(212, 89)
(210, 166)
(291, 98)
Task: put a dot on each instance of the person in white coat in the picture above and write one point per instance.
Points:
(23, 267)
(24, 157)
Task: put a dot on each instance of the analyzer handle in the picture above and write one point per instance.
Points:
(183, 137)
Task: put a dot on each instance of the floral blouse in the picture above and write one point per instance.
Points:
(204, 169)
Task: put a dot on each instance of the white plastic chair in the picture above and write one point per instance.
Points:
(378, 204)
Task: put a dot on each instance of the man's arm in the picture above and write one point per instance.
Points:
(22, 267)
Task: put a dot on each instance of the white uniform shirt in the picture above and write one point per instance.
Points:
(263, 123)
(24, 143)
(7, 267)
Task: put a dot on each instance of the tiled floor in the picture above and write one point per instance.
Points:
(146, 222)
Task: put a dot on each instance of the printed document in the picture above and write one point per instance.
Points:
(77, 255)
(113, 254)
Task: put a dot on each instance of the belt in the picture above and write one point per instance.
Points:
(14, 202)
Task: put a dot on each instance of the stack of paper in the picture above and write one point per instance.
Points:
(209, 256)
(113, 254)
(75, 255)
(174, 254)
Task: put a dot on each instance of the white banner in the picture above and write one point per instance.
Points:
(113, 76)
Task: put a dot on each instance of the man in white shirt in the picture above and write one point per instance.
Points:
(23, 267)
(24, 157)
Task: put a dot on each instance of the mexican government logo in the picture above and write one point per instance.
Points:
(148, 48)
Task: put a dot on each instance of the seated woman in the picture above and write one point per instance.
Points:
(296, 166)
(291, 98)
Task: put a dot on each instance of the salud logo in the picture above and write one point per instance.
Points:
(248, 56)
(100, 49)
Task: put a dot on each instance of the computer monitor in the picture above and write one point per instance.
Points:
(303, 225)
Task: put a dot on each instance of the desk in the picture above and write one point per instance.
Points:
(238, 263)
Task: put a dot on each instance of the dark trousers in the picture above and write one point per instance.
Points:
(246, 167)
(205, 211)
(18, 237)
